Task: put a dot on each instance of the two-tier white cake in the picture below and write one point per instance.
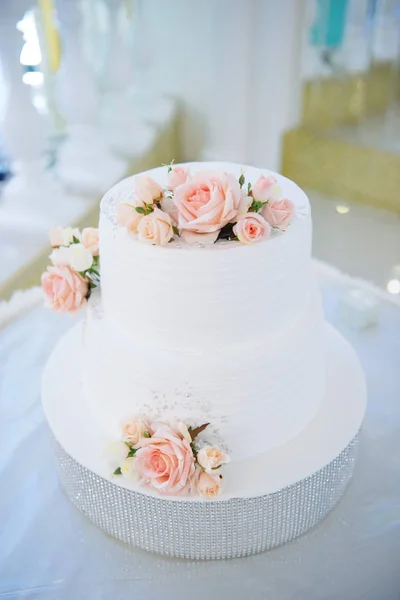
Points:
(209, 314)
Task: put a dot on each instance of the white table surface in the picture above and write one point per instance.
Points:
(49, 551)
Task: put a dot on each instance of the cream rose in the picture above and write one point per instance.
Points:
(81, 258)
(251, 228)
(90, 239)
(133, 431)
(156, 228)
(208, 485)
(143, 182)
(211, 458)
(265, 188)
(63, 236)
(177, 176)
(279, 213)
(127, 467)
(165, 461)
(207, 201)
(65, 290)
(128, 217)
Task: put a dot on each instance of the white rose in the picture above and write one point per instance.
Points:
(127, 467)
(81, 258)
(61, 256)
(156, 228)
(211, 457)
(117, 451)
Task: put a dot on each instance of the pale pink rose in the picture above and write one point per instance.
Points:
(251, 228)
(65, 289)
(278, 213)
(165, 460)
(211, 458)
(198, 239)
(177, 176)
(208, 485)
(63, 236)
(128, 217)
(207, 201)
(264, 188)
(133, 431)
(56, 237)
(156, 228)
(181, 429)
(90, 239)
(144, 182)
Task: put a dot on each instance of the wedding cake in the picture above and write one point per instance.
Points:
(203, 408)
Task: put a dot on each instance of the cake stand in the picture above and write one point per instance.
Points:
(266, 501)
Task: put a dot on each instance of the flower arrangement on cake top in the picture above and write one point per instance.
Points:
(74, 271)
(169, 458)
(203, 207)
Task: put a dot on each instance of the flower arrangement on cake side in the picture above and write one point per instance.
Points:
(169, 458)
(74, 270)
(203, 207)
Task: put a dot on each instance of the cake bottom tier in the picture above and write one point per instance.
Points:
(265, 502)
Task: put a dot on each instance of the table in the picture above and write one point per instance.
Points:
(48, 550)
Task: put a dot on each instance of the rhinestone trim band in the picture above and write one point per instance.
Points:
(208, 529)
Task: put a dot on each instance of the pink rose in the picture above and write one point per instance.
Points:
(65, 289)
(178, 176)
(278, 213)
(133, 431)
(208, 485)
(156, 228)
(265, 188)
(207, 201)
(211, 458)
(90, 239)
(165, 460)
(251, 228)
(143, 182)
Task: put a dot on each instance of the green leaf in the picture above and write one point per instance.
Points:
(241, 180)
(175, 230)
(248, 188)
(140, 210)
(256, 205)
(169, 169)
(75, 240)
(146, 434)
(117, 471)
(132, 452)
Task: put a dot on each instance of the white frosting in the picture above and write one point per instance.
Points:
(227, 334)
(276, 384)
(336, 423)
(188, 298)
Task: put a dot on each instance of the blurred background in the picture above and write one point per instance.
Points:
(94, 90)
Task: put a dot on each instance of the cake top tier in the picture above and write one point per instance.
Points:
(193, 293)
(217, 205)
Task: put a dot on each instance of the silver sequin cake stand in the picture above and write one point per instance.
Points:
(307, 478)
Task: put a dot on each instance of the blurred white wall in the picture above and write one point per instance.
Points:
(236, 66)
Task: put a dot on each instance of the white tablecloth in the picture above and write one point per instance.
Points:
(48, 550)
